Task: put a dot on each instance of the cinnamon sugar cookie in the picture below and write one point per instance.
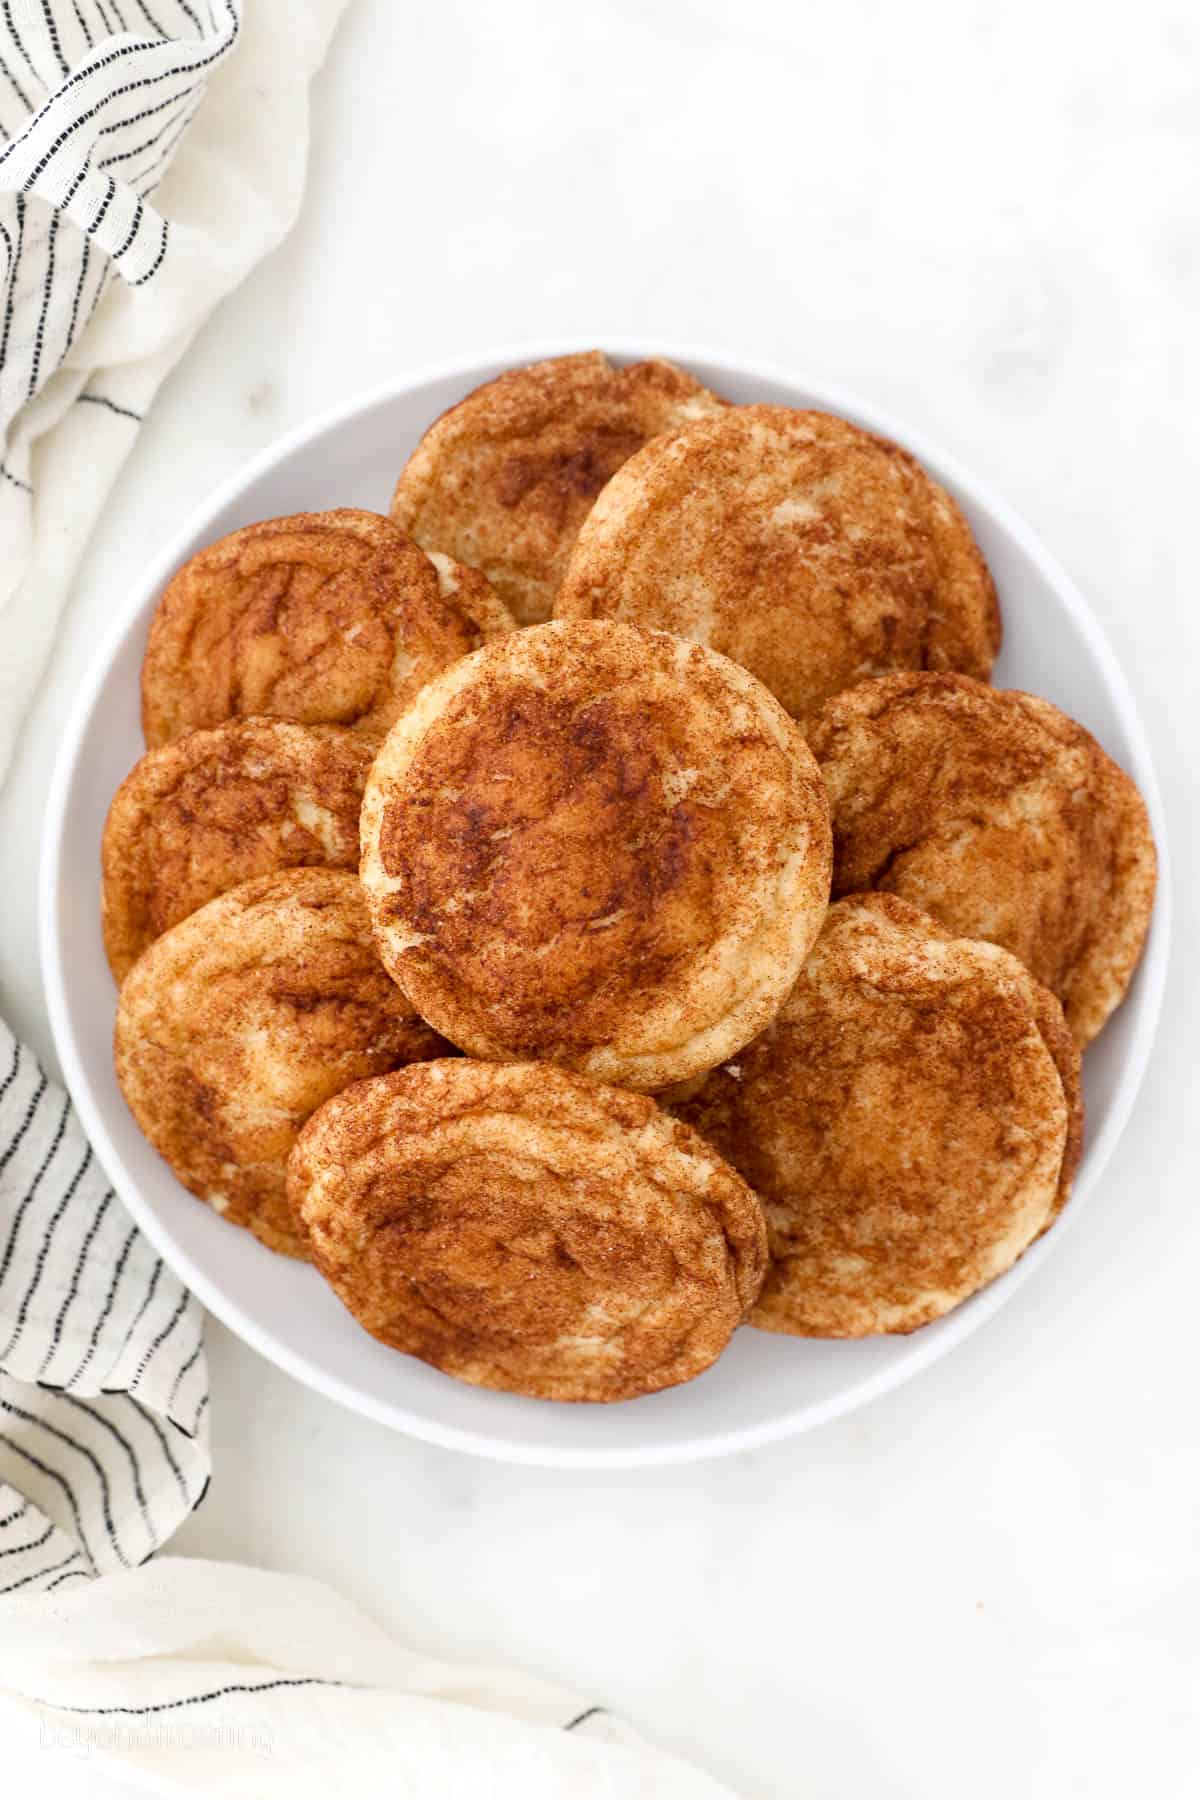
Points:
(240, 1021)
(1000, 816)
(505, 478)
(521, 1229)
(910, 1121)
(215, 808)
(598, 846)
(333, 618)
(809, 551)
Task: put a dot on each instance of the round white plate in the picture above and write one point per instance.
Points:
(765, 1386)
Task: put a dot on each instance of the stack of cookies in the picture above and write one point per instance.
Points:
(604, 903)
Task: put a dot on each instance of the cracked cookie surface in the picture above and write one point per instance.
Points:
(239, 1022)
(597, 846)
(806, 549)
(1002, 817)
(505, 479)
(522, 1229)
(196, 817)
(332, 618)
(911, 1121)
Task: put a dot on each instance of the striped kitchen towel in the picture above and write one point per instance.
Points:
(151, 151)
(94, 101)
(103, 1388)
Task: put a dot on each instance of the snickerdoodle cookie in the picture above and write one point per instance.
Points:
(333, 618)
(522, 1229)
(215, 808)
(809, 551)
(599, 846)
(240, 1021)
(910, 1121)
(1000, 816)
(505, 478)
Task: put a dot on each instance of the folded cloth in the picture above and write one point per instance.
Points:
(101, 107)
(103, 1386)
(201, 1677)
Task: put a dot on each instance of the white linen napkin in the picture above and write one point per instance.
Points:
(104, 104)
(199, 1677)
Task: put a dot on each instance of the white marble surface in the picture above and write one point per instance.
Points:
(984, 218)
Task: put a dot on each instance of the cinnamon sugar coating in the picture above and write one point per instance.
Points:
(598, 846)
(196, 817)
(523, 1229)
(910, 1121)
(239, 1022)
(333, 618)
(1003, 818)
(811, 552)
(505, 479)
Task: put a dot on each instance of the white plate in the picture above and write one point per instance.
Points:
(765, 1386)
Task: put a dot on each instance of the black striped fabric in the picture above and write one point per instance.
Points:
(103, 1384)
(94, 100)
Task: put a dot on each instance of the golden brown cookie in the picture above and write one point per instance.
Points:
(505, 479)
(215, 808)
(906, 1123)
(809, 551)
(240, 1021)
(333, 618)
(1068, 1060)
(598, 846)
(1003, 818)
(521, 1229)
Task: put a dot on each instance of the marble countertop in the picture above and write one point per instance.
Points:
(983, 219)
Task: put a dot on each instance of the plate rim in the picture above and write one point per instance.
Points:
(919, 1353)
